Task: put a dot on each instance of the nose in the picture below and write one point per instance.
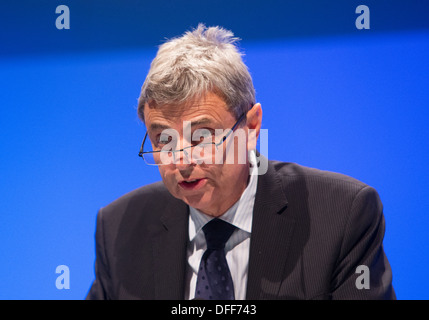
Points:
(183, 158)
(184, 163)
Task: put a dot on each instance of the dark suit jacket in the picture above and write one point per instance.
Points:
(311, 230)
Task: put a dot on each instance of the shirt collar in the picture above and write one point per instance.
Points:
(240, 214)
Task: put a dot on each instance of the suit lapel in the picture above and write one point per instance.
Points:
(272, 229)
(169, 251)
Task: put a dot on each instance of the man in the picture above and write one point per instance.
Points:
(226, 223)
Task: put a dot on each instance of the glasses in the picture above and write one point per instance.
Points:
(199, 152)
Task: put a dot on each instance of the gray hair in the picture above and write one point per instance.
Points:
(202, 60)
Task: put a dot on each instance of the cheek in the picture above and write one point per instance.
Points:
(168, 178)
(224, 177)
(234, 175)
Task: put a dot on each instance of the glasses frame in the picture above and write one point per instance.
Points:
(142, 153)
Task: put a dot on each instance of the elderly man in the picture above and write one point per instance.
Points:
(226, 223)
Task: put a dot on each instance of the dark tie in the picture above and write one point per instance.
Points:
(214, 280)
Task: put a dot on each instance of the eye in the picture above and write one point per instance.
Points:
(202, 135)
(205, 133)
(163, 139)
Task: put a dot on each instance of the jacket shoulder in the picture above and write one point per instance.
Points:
(293, 172)
(142, 203)
(150, 192)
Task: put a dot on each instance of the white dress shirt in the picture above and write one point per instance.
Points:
(236, 248)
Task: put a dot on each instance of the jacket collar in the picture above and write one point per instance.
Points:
(169, 251)
(272, 231)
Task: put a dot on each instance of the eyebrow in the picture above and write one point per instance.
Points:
(160, 126)
(201, 121)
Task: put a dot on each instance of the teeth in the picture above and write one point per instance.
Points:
(190, 181)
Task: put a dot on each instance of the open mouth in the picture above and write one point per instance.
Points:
(192, 184)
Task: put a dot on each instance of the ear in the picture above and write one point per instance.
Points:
(254, 122)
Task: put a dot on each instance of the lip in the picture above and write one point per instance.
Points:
(198, 184)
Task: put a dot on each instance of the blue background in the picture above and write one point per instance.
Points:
(333, 97)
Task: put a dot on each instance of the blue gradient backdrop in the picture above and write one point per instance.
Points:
(334, 97)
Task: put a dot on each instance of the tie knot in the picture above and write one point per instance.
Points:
(217, 233)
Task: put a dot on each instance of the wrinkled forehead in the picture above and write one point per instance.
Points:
(210, 106)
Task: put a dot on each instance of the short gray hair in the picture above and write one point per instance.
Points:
(202, 60)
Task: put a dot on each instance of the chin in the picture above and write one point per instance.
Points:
(202, 202)
(197, 201)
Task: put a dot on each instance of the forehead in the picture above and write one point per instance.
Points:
(210, 107)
